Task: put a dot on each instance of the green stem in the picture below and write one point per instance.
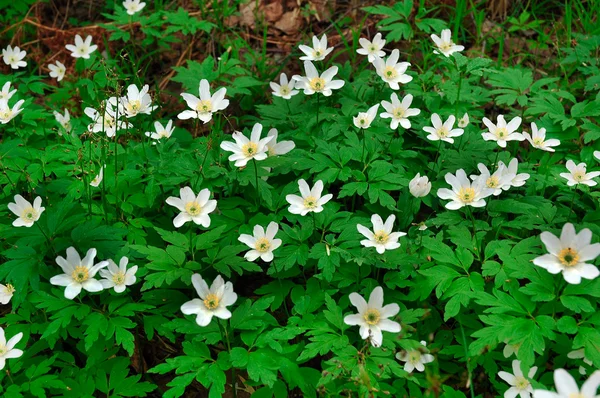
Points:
(233, 372)
(474, 230)
(47, 238)
(470, 379)
(191, 242)
(437, 155)
(362, 157)
(256, 181)
(571, 206)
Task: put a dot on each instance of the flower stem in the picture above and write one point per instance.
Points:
(474, 230)
(437, 155)
(571, 206)
(256, 181)
(233, 372)
(191, 243)
(47, 238)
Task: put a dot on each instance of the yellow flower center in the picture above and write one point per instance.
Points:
(538, 142)
(492, 182)
(10, 289)
(80, 274)
(285, 90)
(204, 106)
(262, 245)
(466, 195)
(576, 395)
(317, 84)
(568, 257)
(250, 149)
(443, 132)
(134, 106)
(414, 356)
(446, 46)
(193, 208)
(119, 278)
(390, 72)
(362, 122)
(399, 113)
(82, 50)
(3, 349)
(381, 237)
(310, 202)
(12, 59)
(372, 316)
(521, 383)
(317, 53)
(211, 301)
(6, 114)
(501, 133)
(29, 214)
(373, 49)
(579, 175)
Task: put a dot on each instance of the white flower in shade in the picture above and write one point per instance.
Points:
(64, 121)
(510, 349)
(310, 201)
(422, 226)
(444, 44)
(364, 119)
(538, 140)
(519, 384)
(204, 107)
(285, 88)
(391, 71)
(496, 181)
(318, 51)
(98, 179)
(373, 316)
(398, 111)
(570, 254)
(415, 359)
(7, 348)
(502, 132)
(262, 243)
(133, 6)
(137, 101)
(6, 93)
(512, 175)
(464, 192)
(419, 186)
(118, 277)
(106, 120)
(374, 49)
(315, 83)
(597, 154)
(442, 131)
(245, 149)
(566, 386)
(212, 302)
(14, 57)
(382, 238)
(82, 49)
(7, 113)
(275, 148)
(6, 293)
(57, 71)
(78, 274)
(161, 131)
(580, 354)
(578, 174)
(26, 212)
(193, 208)
(463, 121)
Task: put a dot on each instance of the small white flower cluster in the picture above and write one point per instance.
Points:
(7, 113)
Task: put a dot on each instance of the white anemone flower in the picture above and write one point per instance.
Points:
(419, 186)
(578, 174)
(373, 316)
(415, 359)
(463, 121)
(580, 354)
(78, 274)
(502, 132)
(6, 293)
(82, 49)
(98, 178)
(193, 208)
(310, 201)
(7, 113)
(442, 131)
(519, 384)
(496, 181)
(261, 242)
(373, 49)
(315, 83)
(566, 386)
(64, 121)
(511, 172)
(27, 213)
(538, 140)
(275, 148)
(7, 348)
(364, 119)
(391, 71)
(398, 111)
(570, 254)
(137, 101)
(381, 238)
(6, 93)
(118, 277)
(510, 349)
(57, 71)
(285, 88)
(212, 302)
(245, 149)
(14, 56)
(106, 120)
(444, 44)
(318, 51)
(161, 131)
(133, 6)
(464, 192)
(204, 107)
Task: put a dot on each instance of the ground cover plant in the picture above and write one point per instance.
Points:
(276, 199)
